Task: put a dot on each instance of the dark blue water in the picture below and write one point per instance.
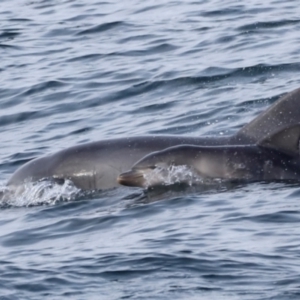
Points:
(79, 71)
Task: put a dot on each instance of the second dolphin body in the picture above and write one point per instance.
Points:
(265, 149)
(190, 164)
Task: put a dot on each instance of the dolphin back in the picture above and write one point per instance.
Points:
(278, 127)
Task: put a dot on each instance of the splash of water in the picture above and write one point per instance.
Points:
(173, 175)
(38, 193)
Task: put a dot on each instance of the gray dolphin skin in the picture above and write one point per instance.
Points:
(97, 165)
(227, 163)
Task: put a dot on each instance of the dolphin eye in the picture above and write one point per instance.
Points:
(152, 167)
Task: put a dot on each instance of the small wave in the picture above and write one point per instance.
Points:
(266, 25)
(101, 28)
(44, 86)
(38, 193)
(4, 46)
(9, 35)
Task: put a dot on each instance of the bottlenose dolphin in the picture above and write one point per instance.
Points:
(191, 164)
(96, 165)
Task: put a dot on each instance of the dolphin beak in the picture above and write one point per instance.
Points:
(132, 178)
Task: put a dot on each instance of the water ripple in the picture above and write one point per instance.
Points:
(102, 27)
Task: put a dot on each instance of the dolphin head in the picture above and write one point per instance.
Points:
(164, 167)
(145, 172)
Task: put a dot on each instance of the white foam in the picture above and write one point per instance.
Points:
(172, 175)
(39, 193)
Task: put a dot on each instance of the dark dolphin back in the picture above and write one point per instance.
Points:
(282, 119)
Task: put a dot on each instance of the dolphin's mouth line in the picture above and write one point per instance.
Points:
(131, 178)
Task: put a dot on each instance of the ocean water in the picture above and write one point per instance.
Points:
(78, 71)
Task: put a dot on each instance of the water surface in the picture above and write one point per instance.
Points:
(80, 71)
